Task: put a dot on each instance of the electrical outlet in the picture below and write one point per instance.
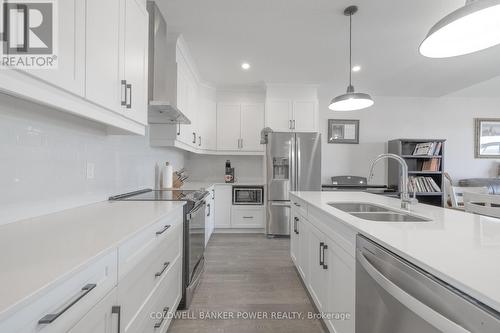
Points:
(90, 170)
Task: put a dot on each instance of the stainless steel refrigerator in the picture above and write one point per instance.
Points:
(293, 164)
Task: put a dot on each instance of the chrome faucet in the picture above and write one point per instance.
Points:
(405, 197)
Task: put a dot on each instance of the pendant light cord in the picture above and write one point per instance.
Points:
(350, 50)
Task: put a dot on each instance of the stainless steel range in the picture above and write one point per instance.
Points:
(194, 232)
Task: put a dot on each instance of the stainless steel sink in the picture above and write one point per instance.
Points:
(390, 217)
(372, 212)
(358, 207)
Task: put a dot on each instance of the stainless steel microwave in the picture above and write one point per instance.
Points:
(248, 195)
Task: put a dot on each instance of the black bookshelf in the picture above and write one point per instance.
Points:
(405, 149)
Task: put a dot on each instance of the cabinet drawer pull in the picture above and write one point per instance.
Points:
(129, 96)
(48, 319)
(325, 247)
(295, 223)
(124, 93)
(160, 273)
(117, 311)
(296, 204)
(165, 228)
(208, 206)
(290, 124)
(194, 137)
(165, 312)
(199, 144)
(321, 259)
(179, 129)
(293, 127)
(297, 220)
(248, 217)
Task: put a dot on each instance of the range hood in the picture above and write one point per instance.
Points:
(162, 87)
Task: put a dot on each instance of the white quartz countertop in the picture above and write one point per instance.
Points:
(36, 251)
(460, 248)
(196, 185)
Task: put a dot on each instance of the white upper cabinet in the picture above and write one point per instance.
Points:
(135, 60)
(99, 44)
(228, 126)
(304, 116)
(279, 115)
(103, 54)
(292, 108)
(70, 72)
(239, 126)
(207, 118)
(252, 123)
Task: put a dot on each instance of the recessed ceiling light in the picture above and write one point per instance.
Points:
(356, 68)
(245, 66)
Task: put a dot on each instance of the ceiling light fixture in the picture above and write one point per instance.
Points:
(351, 100)
(356, 68)
(471, 28)
(245, 66)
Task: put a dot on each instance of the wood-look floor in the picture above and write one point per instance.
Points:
(248, 273)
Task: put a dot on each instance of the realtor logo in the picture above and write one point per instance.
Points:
(29, 37)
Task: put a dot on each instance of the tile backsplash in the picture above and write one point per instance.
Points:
(51, 161)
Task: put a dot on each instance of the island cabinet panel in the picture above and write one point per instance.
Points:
(323, 251)
(103, 318)
(318, 278)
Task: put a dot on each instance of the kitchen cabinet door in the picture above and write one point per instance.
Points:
(279, 115)
(318, 275)
(228, 126)
(102, 72)
(303, 249)
(341, 288)
(207, 118)
(135, 60)
(251, 217)
(304, 116)
(102, 318)
(223, 203)
(252, 123)
(70, 72)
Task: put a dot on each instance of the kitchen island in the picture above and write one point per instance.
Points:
(461, 249)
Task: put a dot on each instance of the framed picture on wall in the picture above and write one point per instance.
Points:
(487, 138)
(343, 131)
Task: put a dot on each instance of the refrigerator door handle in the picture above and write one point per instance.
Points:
(297, 149)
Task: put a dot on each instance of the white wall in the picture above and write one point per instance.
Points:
(211, 168)
(43, 156)
(407, 117)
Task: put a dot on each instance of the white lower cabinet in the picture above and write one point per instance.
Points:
(132, 288)
(103, 318)
(250, 217)
(327, 269)
(210, 220)
(223, 203)
(318, 269)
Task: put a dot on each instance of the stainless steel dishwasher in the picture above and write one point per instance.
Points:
(395, 296)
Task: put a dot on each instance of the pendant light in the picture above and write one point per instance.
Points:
(471, 28)
(351, 100)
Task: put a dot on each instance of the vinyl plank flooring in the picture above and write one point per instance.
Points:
(249, 275)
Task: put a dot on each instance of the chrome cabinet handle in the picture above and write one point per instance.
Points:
(165, 228)
(129, 96)
(117, 311)
(296, 204)
(124, 93)
(296, 225)
(248, 217)
(194, 137)
(208, 206)
(325, 247)
(241, 143)
(293, 124)
(50, 318)
(165, 266)
(290, 124)
(179, 129)
(321, 262)
(199, 144)
(165, 311)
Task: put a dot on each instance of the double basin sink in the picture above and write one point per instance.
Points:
(372, 212)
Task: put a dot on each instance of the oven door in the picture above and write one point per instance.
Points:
(196, 241)
(248, 196)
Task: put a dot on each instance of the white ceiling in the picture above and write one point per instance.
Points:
(305, 41)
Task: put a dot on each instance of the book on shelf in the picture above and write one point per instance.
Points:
(428, 149)
(433, 164)
(423, 185)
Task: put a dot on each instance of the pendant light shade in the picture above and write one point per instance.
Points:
(351, 100)
(471, 28)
